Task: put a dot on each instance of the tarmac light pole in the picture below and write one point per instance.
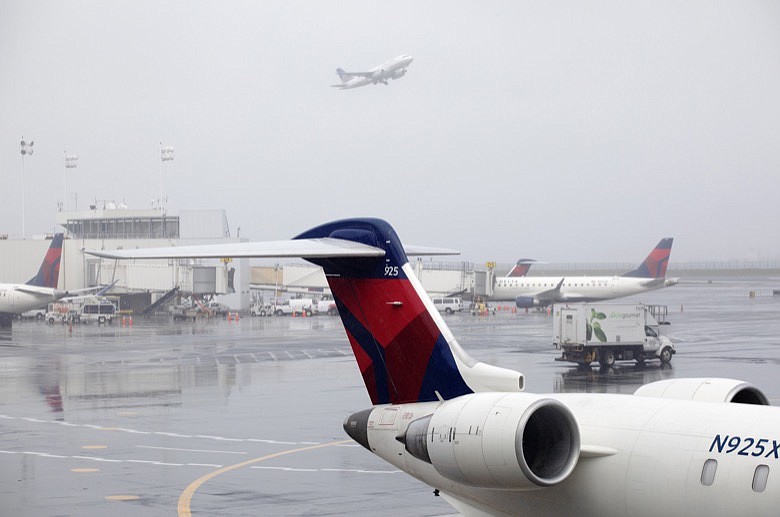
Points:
(71, 162)
(27, 149)
(166, 155)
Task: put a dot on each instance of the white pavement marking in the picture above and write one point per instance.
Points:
(159, 433)
(356, 471)
(188, 450)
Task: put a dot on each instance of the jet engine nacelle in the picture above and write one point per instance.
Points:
(705, 390)
(496, 440)
(397, 74)
(525, 302)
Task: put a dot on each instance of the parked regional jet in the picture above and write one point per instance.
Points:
(540, 291)
(674, 447)
(38, 291)
(393, 69)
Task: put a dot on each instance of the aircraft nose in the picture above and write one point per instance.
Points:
(356, 426)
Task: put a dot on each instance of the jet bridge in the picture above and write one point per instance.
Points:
(484, 280)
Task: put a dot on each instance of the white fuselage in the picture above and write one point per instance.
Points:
(392, 69)
(575, 289)
(639, 456)
(18, 298)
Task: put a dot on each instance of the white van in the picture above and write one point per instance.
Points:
(101, 311)
(448, 305)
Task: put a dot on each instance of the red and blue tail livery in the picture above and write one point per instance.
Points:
(49, 272)
(404, 350)
(655, 264)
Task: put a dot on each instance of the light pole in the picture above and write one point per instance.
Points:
(27, 149)
(71, 162)
(166, 155)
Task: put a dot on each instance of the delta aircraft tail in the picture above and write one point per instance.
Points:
(655, 264)
(49, 272)
(405, 351)
(521, 268)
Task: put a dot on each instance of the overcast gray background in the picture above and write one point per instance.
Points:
(564, 131)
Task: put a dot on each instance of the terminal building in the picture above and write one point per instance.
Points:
(111, 226)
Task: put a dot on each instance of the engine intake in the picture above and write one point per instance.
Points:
(525, 302)
(498, 440)
(705, 390)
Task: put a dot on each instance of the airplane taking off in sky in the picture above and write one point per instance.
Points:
(393, 69)
(38, 291)
(540, 291)
(675, 447)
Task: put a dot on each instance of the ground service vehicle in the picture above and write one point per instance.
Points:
(260, 309)
(296, 307)
(327, 306)
(101, 311)
(448, 305)
(609, 332)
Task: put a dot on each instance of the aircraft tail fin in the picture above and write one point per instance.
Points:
(521, 268)
(405, 351)
(49, 272)
(344, 76)
(654, 266)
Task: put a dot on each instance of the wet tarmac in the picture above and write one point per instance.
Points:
(244, 418)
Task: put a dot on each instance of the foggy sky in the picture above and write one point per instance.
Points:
(564, 131)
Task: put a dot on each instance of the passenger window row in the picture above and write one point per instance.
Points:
(760, 475)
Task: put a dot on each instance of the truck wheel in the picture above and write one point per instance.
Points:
(308, 312)
(101, 319)
(262, 313)
(666, 355)
(331, 312)
(607, 358)
(39, 316)
(447, 311)
(278, 312)
(51, 321)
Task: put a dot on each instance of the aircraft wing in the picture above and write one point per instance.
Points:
(360, 74)
(551, 295)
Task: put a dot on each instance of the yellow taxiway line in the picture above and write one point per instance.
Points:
(186, 496)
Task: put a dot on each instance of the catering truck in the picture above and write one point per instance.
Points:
(610, 332)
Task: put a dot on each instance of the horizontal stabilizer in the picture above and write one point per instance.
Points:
(326, 247)
(303, 248)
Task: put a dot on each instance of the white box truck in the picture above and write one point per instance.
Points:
(609, 332)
